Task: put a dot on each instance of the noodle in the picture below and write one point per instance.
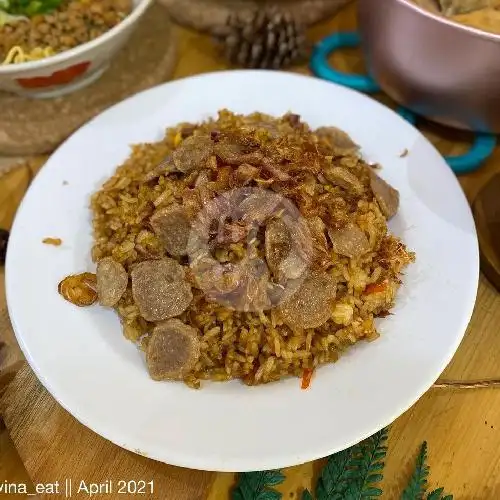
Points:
(18, 55)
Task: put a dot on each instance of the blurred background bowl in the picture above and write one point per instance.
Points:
(72, 69)
(445, 71)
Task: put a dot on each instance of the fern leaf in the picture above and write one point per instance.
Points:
(332, 481)
(372, 492)
(269, 495)
(418, 482)
(353, 474)
(372, 451)
(258, 485)
(273, 477)
(306, 495)
(436, 494)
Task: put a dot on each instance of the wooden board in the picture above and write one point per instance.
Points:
(55, 447)
(461, 427)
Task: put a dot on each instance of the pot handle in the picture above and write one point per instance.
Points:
(320, 66)
(483, 145)
(481, 149)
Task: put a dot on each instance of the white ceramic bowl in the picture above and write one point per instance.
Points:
(72, 69)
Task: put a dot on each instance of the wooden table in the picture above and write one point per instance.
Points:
(461, 427)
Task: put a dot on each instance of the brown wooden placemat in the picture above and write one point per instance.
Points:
(34, 126)
(31, 164)
(486, 209)
(207, 15)
(11, 359)
(54, 446)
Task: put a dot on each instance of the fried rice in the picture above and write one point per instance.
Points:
(322, 174)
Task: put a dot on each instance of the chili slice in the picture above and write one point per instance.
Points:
(306, 378)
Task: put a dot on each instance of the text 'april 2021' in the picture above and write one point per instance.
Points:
(69, 487)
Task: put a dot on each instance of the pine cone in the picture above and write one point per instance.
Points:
(264, 39)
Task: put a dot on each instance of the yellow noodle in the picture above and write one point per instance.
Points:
(17, 55)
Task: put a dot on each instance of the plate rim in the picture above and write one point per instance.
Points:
(195, 462)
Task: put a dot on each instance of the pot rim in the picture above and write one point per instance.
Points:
(449, 23)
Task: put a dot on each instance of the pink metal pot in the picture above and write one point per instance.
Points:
(432, 66)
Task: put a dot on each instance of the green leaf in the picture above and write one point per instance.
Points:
(436, 494)
(418, 482)
(257, 485)
(273, 477)
(372, 451)
(352, 474)
(331, 483)
(269, 495)
(374, 478)
(306, 495)
(32, 7)
(372, 492)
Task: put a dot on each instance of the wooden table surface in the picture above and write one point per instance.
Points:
(462, 427)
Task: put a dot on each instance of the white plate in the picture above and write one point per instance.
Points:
(82, 358)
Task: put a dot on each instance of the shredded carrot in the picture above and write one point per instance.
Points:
(375, 287)
(306, 378)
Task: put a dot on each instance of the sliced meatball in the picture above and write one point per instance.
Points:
(386, 196)
(349, 241)
(259, 206)
(339, 176)
(317, 229)
(172, 226)
(165, 167)
(169, 268)
(203, 178)
(337, 138)
(233, 154)
(246, 173)
(310, 306)
(232, 232)
(319, 242)
(275, 171)
(284, 256)
(173, 350)
(270, 128)
(112, 281)
(193, 153)
(277, 292)
(159, 289)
